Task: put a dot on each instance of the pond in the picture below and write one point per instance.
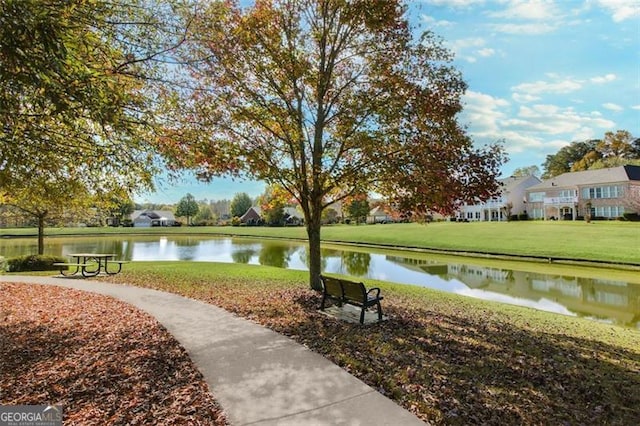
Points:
(596, 298)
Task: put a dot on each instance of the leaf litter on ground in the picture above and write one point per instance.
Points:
(103, 360)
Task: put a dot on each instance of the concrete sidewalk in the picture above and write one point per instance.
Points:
(258, 376)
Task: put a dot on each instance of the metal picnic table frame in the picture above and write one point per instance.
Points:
(90, 264)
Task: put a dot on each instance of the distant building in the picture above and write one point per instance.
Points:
(252, 216)
(602, 193)
(293, 217)
(378, 215)
(510, 201)
(149, 218)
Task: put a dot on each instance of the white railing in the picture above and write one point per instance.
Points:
(561, 200)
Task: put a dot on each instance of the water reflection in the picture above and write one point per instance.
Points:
(610, 300)
(601, 299)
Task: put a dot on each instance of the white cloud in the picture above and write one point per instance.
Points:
(537, 10)
(466, 43)
(454, 3)
(540, 87)
(635, 107)
(470, 48)
(524, 98)
(612, 107)
(522, 29)
(603, 79)
(621, 9)
(430, 20)
(541, 128)
(484, 112)
(555, 120)
(557, 84)
(486, 52)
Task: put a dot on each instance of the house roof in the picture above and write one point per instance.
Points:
(152, 214)
(377, 211)
(508, 184)
(252, 212)
(591, 177)
(293, 212)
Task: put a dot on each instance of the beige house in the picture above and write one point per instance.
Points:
(603, 193)
(510, 201)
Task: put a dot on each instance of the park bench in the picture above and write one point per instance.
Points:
(352, 293)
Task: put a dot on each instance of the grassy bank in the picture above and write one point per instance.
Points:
(599, 241)
(449, 359)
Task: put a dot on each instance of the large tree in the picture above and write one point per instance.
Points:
(61, 198)
(240, 204)
(187, 207)
(75, 88)
(327, 99)
(562, 161)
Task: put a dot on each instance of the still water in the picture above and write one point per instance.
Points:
(600, 299)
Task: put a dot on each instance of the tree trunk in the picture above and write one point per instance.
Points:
(315, 258)
(41, 234)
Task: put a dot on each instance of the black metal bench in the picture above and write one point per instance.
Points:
(352, 293)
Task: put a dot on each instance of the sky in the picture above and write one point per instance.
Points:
(540, 74)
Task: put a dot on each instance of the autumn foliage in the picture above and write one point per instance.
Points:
(326, 99)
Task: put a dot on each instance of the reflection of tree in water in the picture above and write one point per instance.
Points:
(356, 263)
(97, 245)
(274, 255)
(242, 256)
(324, 254)
(187, 242)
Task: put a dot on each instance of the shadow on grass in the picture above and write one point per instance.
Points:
(459, 370)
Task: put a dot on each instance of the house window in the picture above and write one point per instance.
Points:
(477, 215)
(611, 191)
(469, 215)
(537, 213)
(536, 197)
(607, 211)
(566, 193)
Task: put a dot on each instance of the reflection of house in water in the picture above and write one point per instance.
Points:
(590, 297)
(478, 276)
(615, 300)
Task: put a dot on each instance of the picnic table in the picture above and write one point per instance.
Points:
(90, 265)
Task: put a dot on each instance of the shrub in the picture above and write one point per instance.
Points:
(513, 217)
(33, 262)
(523, 216)
(631, 217)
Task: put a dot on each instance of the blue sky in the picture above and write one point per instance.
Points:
(541, 74)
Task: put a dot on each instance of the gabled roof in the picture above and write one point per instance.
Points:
(508, 184)
(293, 212)
(153, 214)
(591, 177)
(252, 213)
(377, 211)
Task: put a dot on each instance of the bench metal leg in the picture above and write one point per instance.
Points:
(113, 272)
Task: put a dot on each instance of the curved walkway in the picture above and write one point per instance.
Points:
(258, 376)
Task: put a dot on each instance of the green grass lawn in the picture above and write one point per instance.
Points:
(449, 359)
(601, 241)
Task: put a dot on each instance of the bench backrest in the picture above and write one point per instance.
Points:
(354, 291)
(332, 286)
